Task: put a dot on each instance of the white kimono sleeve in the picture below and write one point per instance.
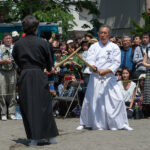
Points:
(91, 55)
(116, 59)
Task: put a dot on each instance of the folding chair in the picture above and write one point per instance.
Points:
(75, 97)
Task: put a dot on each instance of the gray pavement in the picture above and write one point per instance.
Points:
(12, 137)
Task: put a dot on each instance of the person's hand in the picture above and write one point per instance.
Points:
(139, 63)
(68, 63)
(143, 63)
(8, 61)
(128, 107)
(45, 71)
(101, 72)
(75, 63)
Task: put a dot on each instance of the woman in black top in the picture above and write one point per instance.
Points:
(32, 55)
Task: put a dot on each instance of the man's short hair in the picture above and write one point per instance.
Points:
(126, 36)
(6, 34)
(105, 26)
(145, 33)
(136, 35)
(30, 24)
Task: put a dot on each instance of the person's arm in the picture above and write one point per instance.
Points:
(145, 60)
(137, 57)
(91, 55)
(2, 61)
(132, 100)
(104, 72)
(75, 63)
(67, 63)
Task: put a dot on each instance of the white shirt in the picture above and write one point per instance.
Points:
(127, 94)
(104, 56)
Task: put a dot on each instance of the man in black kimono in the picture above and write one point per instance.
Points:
(32, 55)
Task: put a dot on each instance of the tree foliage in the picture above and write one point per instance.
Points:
(140, 29)
(51, 11)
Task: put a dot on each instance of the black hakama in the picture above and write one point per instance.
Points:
(32, 55)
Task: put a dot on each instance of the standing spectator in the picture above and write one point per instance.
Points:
(146, 96)
(127, 88)
(138, 55)
(126, 53)
(7, 79)
(15, 37)
(145, 41)
(136, 41)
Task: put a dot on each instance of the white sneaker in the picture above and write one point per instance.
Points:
(126, 127)
(113, 129)
(12, 117)
(80, 128)
(53, 141)
(33, 143)
(100, 129)
(3, 117)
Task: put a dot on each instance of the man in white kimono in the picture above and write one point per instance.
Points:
(103, 107)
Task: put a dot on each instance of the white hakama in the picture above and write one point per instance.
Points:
(103, 106)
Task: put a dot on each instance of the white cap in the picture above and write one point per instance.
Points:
(15, 33)
(143, 75)
(69, 41)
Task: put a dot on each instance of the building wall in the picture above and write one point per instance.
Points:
(115, 13)
(118, 13)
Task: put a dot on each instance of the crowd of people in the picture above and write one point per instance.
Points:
(133, 73)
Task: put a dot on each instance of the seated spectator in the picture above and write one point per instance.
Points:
(126, 53)
(64, 89)
(139, 97)
(127, 88)
(119, 75)
(140, 87)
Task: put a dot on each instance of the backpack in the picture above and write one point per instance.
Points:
(147, 49)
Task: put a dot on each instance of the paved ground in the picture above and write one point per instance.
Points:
(12, 137)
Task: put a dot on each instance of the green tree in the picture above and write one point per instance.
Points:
(51, 11)
(137, 29)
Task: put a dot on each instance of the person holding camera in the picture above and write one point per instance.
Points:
(7, 79)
